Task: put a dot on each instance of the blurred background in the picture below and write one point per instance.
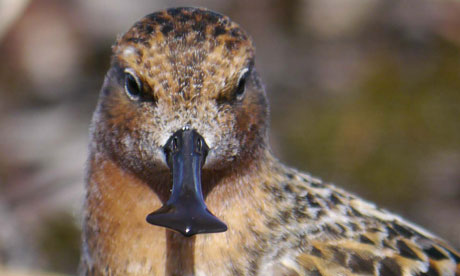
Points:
(365, 94)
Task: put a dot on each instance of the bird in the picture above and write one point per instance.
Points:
(181, 180)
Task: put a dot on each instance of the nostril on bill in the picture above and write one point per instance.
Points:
(175, 143)
(198, 144)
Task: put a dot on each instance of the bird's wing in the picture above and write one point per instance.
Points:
(340, 234)
(400, 256)
(376, 242)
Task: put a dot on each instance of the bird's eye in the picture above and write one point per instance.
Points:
(241, 88)
(133, 85)
(236, 93)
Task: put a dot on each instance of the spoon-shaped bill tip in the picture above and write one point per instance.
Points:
(186, 211)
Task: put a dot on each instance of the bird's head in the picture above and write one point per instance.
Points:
(182, 93)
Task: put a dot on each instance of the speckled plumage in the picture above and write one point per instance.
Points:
(280, 221)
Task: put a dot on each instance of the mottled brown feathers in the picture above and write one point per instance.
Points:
(185, 47)
(189, 64)
(348, 236)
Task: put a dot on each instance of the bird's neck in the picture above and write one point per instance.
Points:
(118, 202)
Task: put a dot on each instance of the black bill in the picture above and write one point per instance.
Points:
(185, 211)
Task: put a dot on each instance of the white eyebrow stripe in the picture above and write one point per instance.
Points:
(244, 71)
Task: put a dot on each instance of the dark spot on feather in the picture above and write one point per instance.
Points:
(158, 19)
(361, 265)
(285, 216)
(236, 270)
(254, 253)
(300, 214)
(339, 257)
(312, 201)
(284, 238)
(254, 231)
(331, 231)
(435, 254)
(341, 227)
(174, 11)
(133, 39)
(374, 230)
(230, 45)
(335, 199)
(316, 185)
(356, 212)
(149, 29)
(184, 17)
(320, 213)
(214, 17)
(315, 273)
(271, 224)
(316, 252)
(391, 232)
(290, 175)
(180, 34)
(166, 28)
(253, 267)
(315, 231)
(404, 231)
(386, 244)
(405, 251)
(299, 201)
(287, 188)
(389, 267)
(199, 27)
(146, 44)
(354, 226)
(276, 192)
(235, 33)
(364, 239)
(302, 241)
(219, 30)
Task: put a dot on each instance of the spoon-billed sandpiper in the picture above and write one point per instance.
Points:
(179, 147)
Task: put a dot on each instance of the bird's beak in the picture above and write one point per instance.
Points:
(186, 211)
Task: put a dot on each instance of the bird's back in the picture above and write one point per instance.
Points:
(323, 230)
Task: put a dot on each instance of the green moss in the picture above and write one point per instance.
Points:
(59, 243)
